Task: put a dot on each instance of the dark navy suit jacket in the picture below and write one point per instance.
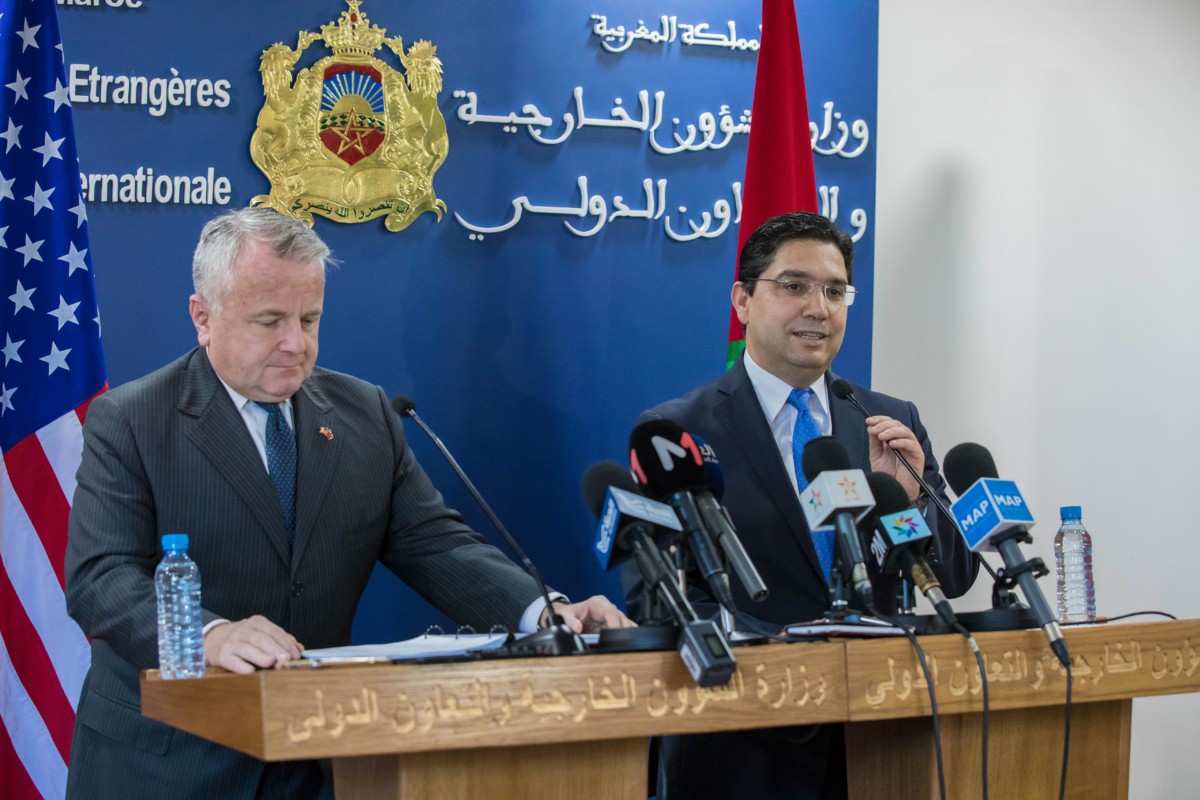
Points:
(766, 512)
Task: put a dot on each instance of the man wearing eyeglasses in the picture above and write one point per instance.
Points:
(793, 295)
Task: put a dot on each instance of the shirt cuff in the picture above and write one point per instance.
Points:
(213, 624)
(533, 612)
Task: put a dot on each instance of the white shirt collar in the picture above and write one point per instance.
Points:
(240, 402)
(773, 391)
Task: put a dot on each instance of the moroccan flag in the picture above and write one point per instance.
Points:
(779, 162)
(51, 366)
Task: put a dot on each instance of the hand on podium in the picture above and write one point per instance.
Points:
(251, 643)
(591, 615)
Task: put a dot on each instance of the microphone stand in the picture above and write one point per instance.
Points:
(554, 639)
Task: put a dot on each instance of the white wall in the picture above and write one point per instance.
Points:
(1038, 238)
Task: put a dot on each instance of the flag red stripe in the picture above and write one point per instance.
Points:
(82, 409)
(32, 665)
(40, 493)
(779, 161)
(17, 784)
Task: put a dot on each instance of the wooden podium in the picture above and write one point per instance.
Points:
(577, 726)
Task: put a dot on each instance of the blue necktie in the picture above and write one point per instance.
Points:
(281, 463)
(806, 429)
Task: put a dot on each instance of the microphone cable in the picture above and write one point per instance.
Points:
(933, 709)
(984, 722)
(1062, 783)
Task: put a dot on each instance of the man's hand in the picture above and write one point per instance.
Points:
(887, 435)
(591, 615)
(248, 644)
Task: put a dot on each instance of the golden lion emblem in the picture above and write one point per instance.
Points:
(351, 138)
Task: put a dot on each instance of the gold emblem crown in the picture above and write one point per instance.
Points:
(353, 34)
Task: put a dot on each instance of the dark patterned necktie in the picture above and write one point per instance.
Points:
(806, 429)
(281, 463)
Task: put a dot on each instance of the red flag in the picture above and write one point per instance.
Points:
(779, 162)
(51, 365)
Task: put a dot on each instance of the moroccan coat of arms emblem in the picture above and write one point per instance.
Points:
(351, 138)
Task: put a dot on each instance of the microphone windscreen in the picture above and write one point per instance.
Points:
(841, 389)
(665, 459)
(890, 496)
(822, 454)
(599, 477)
(403, 405)
(967, 463)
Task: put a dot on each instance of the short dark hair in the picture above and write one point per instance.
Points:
(762, 245)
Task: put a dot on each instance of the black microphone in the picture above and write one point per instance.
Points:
(838, 494)
(556, 638)
(899, 540)
(719, 523)
(632, 531)
(842, 389)
(629, 530)
(986, 507)
(667, 463)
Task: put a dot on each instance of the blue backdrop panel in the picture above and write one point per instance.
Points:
(531, 349)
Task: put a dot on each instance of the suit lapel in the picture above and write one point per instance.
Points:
(220, 434)
(741, 414)
(318, 451)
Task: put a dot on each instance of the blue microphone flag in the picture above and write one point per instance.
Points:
(990, 506)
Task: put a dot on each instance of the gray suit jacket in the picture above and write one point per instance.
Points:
(170, 453)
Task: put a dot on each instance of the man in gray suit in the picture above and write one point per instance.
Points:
(188, 448)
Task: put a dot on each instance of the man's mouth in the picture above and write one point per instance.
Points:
(813, 336)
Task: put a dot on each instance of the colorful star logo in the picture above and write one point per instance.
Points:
(848, 488)
(905, 527)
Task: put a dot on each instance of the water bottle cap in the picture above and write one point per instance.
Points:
(174, 541)
(1071, 512)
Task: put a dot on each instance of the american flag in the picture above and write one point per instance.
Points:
(52, 366)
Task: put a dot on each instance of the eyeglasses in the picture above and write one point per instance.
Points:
(836, 294)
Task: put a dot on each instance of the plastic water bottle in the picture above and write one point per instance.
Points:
(180, 625)
(1073, 557)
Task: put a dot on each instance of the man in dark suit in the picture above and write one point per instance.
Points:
(190, 448)
(792, 294)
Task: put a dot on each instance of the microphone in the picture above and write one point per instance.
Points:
(900, 538)
(556, 638)
(993, 516)
(627, 527)
(623, 513)
(842, 389)
(716, 518)
(838, 494)
(667, 463)
(626, 524)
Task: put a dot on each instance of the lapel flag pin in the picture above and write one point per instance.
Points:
(326, 432)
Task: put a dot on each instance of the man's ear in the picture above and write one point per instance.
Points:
(741, 302)
(201, 315)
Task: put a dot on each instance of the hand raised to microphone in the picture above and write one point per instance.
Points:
(591, 615)
(886, 435)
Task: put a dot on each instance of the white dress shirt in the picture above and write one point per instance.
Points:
(773, 395)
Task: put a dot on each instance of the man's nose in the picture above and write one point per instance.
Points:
(292, 336)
